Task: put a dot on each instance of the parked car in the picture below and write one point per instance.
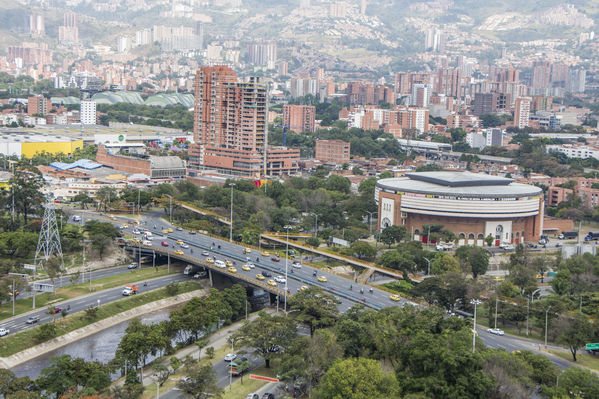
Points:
(32, 320)
(229, 357)
(268, 395)
(252, 396)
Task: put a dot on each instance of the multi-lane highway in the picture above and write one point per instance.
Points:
(18, 323)
(345, 290)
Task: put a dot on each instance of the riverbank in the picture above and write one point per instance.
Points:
(58, 342)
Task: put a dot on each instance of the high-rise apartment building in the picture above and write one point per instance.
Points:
(36, 25)
(68, 32)
(522, 112)
(494, 137)
(38, 105)
(434, 40)
(576, 81)
(263, 54)
(299, 118)
(87, 112)
(421, 94)
(541, 75)
(448, 81)
(231, 127)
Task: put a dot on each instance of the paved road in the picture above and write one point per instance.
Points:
(17, 323)
(297, 277)
(512, 343)
(83, 278)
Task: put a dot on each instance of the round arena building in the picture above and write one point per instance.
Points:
(471, 205)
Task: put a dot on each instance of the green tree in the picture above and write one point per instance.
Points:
(200, 381)
(444, 262)
(574, 332)
(358, 379)
(309, 358)
(83, 199)
(266, 335)
(313, 241)
(392, 234)
(473, 259)
(363, 250)
(100, 243)
(315, 308)
(576, 382)
(25, 186)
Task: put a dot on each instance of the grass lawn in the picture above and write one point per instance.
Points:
(583, 358)
(15, 343)
(46, 299)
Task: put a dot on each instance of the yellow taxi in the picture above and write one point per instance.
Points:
(245, 268)
(169, 230)
(164, 231)
(232, 270)
(304, 287)
(247, 250)
(178, 252)
(395, 298)
(265, 253)
(322, 279)
(272, 283)
(179, 242)
(260, 277)
(228, 263)
(209, 260)
(124, 226)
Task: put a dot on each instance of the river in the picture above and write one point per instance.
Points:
(100, 346)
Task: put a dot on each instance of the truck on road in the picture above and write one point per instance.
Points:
(130, 290)
(568, 235)
(190, 270)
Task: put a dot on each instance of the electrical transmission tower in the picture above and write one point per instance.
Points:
(48, 243)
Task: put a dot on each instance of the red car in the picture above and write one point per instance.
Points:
(164, 244)
(275, 259)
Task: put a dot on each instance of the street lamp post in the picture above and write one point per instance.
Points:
(231, 220)
(546, 314)
(157, 390)
(170, 208)
(370, 221)
(496, 306)
(286, 265)
(315, 224)
(428, 262)
(474, 302)
(529, 299)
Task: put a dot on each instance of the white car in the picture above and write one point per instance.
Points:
(250, 265)
(495, 331)
(280, 279)
(296, 264)
(220, 263)
(136, 232)
(205, 253)
(229, 357)
(184, 246)
(4, 331)
(147, 243)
